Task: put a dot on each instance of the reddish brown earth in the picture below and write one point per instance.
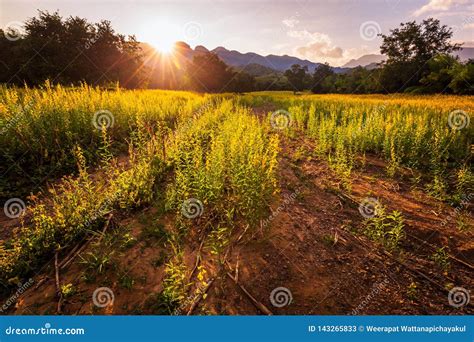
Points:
(313, 247)
(334, 278)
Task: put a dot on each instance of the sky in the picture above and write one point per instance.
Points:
(333, 31)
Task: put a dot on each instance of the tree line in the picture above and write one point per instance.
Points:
(68, 51)
(419, 60)
(73, 50)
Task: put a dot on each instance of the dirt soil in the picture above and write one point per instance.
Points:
(312, 246)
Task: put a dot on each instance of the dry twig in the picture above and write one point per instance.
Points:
(199, 297)
(59, 293)
(255, 302)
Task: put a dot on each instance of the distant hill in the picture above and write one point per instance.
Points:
(364, 60)
(370, 61)
(255, 69)
(279, 63)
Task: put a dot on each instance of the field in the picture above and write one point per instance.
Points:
(165, 202)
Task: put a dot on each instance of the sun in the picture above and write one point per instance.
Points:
(162, 34)
(165, 46)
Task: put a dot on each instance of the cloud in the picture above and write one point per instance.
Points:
(290, 22)
(437, 5)
(314, 45)
(301, 34)
(318, 45)
(354, 53)
(320, 50)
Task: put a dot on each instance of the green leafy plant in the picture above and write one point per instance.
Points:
(385, 228)
(441, 258)
(97, 262)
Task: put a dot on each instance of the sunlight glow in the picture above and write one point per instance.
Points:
(162, 34)
(164, 45)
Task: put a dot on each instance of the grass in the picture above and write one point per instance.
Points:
(176, 146)
(410, 132)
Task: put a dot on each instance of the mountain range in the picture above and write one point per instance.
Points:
(275, 62)
(365, 61)
(252, 63)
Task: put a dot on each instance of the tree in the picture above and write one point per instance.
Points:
(297, 77)
(241, 82)
(462, 81)
(69, 51)
(320, 75)
(208, 73)
(439, 74)
(409, 48)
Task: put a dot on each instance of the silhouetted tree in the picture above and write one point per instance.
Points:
(462, 81)
(320, 75)
(208, 73)
(438, 76)
(241, 82)
(297, 77)
(409, 48)
(69, 51)
(446, 74)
